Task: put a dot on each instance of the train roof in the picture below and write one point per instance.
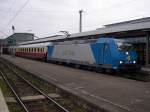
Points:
(37, 45)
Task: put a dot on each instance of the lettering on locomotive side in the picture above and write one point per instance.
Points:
(68, 52)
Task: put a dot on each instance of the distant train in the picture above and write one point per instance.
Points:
(103, 53)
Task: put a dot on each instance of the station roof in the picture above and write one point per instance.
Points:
(133, 25)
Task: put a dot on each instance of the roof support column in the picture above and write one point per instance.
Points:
(147, 48)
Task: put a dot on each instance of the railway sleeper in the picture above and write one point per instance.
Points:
(32, 98)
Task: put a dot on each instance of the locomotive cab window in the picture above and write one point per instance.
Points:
(124, 46)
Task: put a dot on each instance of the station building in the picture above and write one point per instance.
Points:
(15, 38)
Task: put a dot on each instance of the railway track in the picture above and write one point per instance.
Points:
(22, 87)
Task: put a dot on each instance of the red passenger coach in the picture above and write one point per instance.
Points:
(37, 51)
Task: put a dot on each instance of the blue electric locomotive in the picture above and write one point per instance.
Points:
(106, 53)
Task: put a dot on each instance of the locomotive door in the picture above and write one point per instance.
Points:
(106, 54)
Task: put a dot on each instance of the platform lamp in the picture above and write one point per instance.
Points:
(13, 29)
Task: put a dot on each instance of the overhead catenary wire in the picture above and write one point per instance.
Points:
(17, 13)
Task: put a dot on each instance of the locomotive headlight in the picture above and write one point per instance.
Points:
(127, 53)
(120, 62)
(134, 62)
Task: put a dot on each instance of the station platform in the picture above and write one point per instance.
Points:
(114, 94)
(3, 105)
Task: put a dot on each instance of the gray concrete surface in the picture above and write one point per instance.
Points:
(3, 105)
(113, 93)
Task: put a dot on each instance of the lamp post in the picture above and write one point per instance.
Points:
(80, 20)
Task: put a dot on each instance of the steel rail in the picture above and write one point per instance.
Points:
(40, 91)
(14, 92)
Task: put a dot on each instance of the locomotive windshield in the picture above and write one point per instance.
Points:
(124, 46)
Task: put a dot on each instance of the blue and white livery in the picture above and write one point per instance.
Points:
(107, 53)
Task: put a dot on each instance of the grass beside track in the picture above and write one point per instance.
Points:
(6, 91)
(14, 107)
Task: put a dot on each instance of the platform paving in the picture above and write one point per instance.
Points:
(3, 105)
(115, 94)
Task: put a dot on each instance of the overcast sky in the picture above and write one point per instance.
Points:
(48, 17)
